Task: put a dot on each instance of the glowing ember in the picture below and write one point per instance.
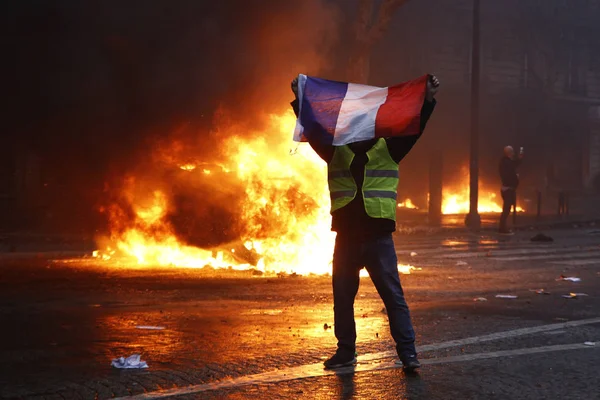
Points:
(407, 204)
(187, 167)
(284, 210)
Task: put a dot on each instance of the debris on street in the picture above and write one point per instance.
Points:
(506, 296)
(131, 362)
(326, 326)
(413, 254)
(540, 237)
(539, 291)
(574, 295)
(407, 269)
(461, 264)
(568, 278)
(479, 299)
(589, 343)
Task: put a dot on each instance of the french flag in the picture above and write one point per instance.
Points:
(338, 113)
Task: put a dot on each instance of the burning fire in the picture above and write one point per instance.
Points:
(284, 209)
(187, 167)
(407, 204)
(456, 201)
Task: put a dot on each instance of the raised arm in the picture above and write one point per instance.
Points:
(400, 146)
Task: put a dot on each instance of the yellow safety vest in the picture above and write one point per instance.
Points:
(380, 183)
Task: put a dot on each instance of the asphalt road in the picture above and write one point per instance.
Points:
(236, 335)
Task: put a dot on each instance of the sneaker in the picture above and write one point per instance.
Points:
(410, 363)
(340, 360)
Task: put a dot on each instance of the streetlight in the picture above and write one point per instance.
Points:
(473, 220)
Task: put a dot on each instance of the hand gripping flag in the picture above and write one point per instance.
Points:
(339, 113)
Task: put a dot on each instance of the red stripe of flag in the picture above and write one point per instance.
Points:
(400, 115)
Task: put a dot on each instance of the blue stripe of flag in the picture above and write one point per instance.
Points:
(321, 104)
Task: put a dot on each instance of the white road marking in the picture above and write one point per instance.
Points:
(575, 263)
(550, 257)
(566, 251)
(480, 250)
(316, 370)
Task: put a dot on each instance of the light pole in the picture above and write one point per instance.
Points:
(473, 220)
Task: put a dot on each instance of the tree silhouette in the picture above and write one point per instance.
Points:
(371, 25)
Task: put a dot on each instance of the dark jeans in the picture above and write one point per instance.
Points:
(509, 197)
(378, 255)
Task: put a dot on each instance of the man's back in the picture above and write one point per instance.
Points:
(508, 172)
(353, 219)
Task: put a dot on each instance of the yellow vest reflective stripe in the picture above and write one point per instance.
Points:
(342, 187)
(380, 183)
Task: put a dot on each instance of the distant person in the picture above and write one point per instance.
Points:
(366, 174)
(510, 183)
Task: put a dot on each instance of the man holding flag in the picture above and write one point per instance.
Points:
(363, 132)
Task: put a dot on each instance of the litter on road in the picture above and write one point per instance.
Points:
(589, 343)
(413, 254)
(539, 291)
(131, 362)
(461, 264)
(568, 278)
(479, 299)
(574, 295)
(540, 237)
(506, 296)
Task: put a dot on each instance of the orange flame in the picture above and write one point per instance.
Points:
(408, 204)
(455, 200)
(285, 210)
(187, 167)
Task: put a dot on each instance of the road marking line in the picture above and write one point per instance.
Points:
(501, 253)
(575, 263)
(479, 249)
(584, 256)
(316, 370)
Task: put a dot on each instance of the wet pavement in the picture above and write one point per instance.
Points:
(235, 335)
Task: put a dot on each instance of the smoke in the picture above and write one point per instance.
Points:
(99, 87)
